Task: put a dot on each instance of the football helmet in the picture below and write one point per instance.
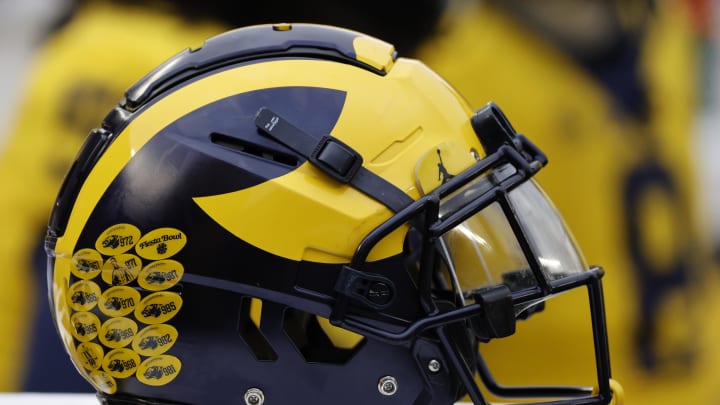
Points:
(292, 212)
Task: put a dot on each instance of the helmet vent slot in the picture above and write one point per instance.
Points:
(249, 329)
(240, 145)
(315, 343)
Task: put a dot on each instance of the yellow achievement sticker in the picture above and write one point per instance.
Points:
(160, 275)
(117, 239)
(121, 269)
(161, 243)
(118, 332)
(158, 370)
(85, 326)
(158, 307)
(103, 381)
(83, 295)
(86, 263)
(89, 355)
(155, 339)
(121, 363)
(119, 301)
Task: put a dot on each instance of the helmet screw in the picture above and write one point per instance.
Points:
(388, 385)
(434, 366)
(379, 293)
(254, 396)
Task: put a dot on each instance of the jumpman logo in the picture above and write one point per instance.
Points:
(443, 174)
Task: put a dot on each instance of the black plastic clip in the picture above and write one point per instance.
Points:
(336, 159)
(493, 128)
(371, 289)
(498, 318)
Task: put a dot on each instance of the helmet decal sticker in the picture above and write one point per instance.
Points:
(85, 326)
(117, 332)
(121, 363)
(119, 301)
(158, 370)
(117, 239)
(103, 381)
(83, 295)
(90, 355)
(121, 269)
(119, 308)
(161, 243)
(158, 307)
(87, 263)
(155, 339)
(160, 275)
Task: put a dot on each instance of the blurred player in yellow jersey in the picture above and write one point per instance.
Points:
(102, 49)
(608, 89)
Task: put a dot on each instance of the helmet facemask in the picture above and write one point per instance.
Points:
(488, 249)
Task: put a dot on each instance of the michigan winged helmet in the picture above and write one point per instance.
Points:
(293, 213)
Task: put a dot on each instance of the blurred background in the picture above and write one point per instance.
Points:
(23, 26)
(624, 96)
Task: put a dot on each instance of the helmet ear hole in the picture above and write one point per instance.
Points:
(249, 328)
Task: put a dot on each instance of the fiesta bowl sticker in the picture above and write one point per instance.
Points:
(117, 239)
(121, 363)
(103, 381)
(158, 307)
(160, 243)
(118, 332)
(85, 326)
(155, 339)
(121, 269)
(160, 275)
(83, 295)
(119, 301)
(158, 370)
(86, 263)
(89, 355)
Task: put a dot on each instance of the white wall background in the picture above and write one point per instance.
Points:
(708, 146)
(22, 23)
